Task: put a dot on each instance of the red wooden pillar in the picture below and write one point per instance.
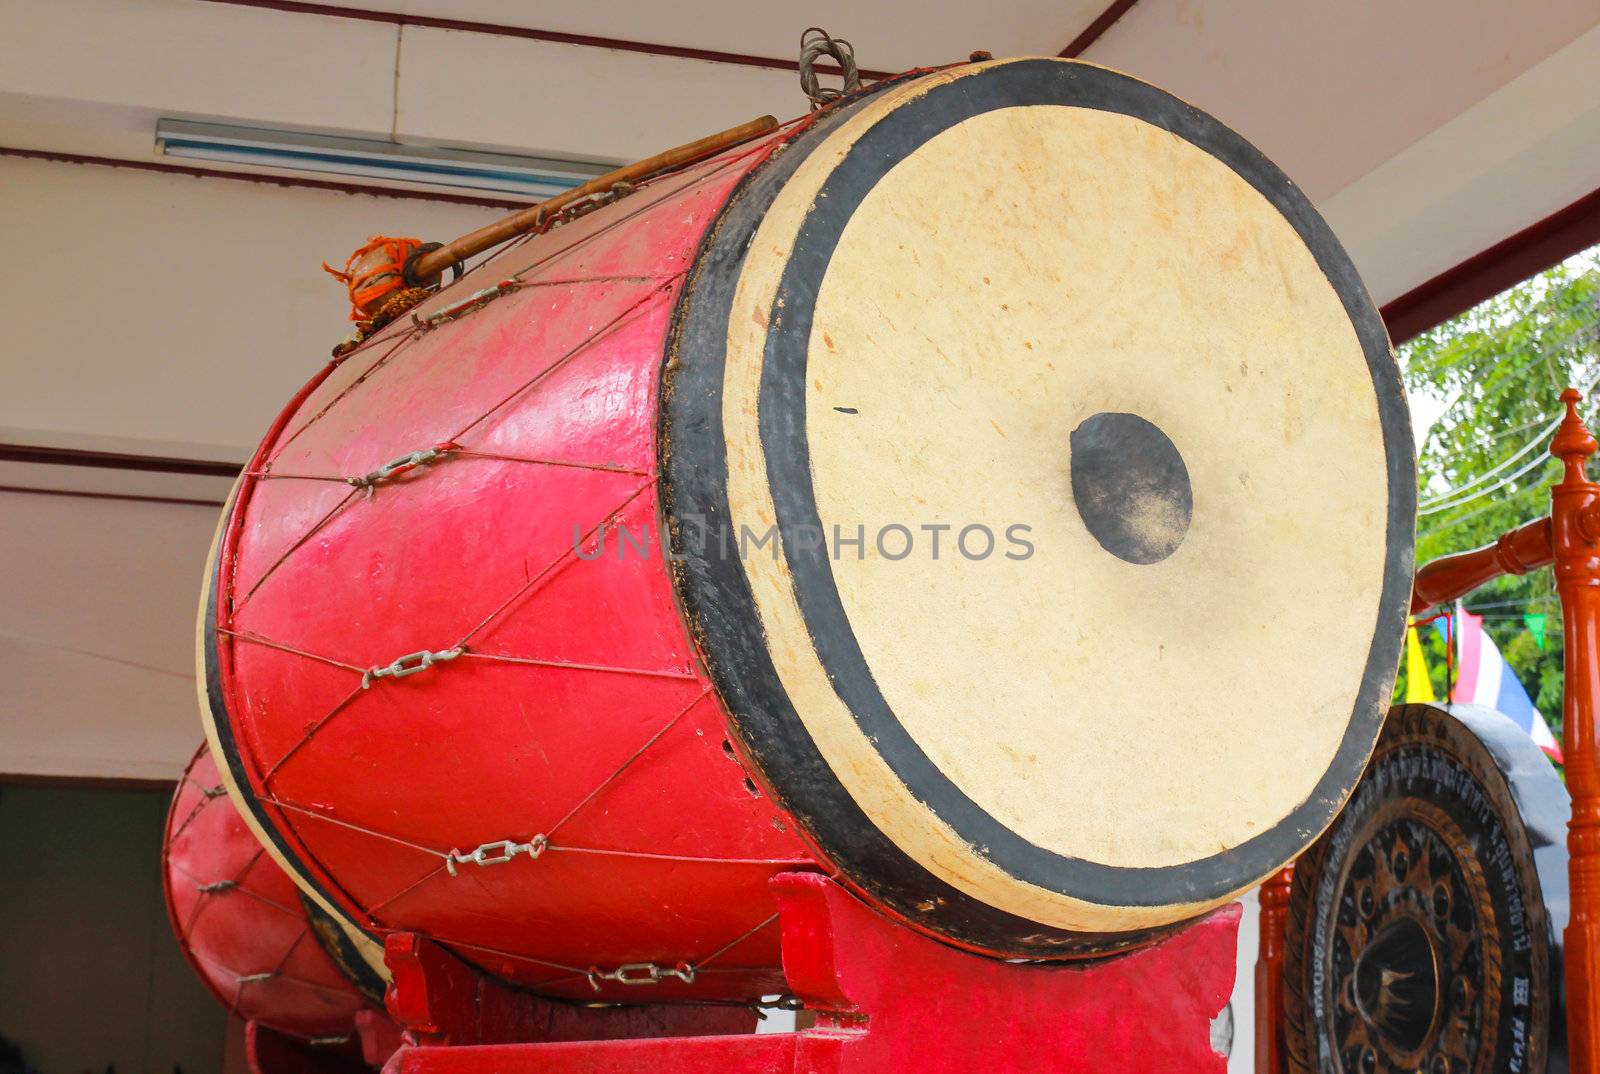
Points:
(1274, 900)
(1575, 535)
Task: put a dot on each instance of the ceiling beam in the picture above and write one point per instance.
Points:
(398, 18)
(1484, 275)
(110, 460)
(88, 783)
(124, 497)
(1096, 29)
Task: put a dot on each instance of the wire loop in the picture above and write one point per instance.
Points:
(816, 42)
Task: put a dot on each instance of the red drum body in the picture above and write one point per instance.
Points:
(492, 658)
(573, 667)
(243, 924)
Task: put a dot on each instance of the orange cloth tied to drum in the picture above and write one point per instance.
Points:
(373, 272)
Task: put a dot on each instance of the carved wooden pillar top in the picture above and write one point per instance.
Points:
(1575, 502)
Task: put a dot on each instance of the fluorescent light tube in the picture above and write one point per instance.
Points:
(532, 177)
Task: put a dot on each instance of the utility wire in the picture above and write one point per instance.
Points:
(1538, 461)
(1447, 500)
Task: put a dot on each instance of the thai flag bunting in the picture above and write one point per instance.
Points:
(1484, 678)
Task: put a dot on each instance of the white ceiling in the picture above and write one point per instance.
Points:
(1333, 90)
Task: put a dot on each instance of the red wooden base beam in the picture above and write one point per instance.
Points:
(886, 1000)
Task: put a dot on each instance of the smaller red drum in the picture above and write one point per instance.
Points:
(242, 922)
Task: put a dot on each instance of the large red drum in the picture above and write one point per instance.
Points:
(928, 494)
(246, 929)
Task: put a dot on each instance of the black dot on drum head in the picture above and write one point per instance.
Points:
(1131, 487)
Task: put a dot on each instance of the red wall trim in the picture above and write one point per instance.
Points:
(1510, 261)
(397, 18)
(1092, 32)
(254, 177)
(89, 783)
(124, 497)
(110, 460)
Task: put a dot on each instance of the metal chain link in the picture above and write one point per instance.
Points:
(496, 853)
(410, 664)
(640, 973)
(395, 467)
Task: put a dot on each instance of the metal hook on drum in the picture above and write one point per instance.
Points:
(817, 42)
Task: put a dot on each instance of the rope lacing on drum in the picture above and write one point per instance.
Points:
(398, 340)
(501, 850)
(622, 319)
(411, 332)
(550, 570)
(506, 850)
(479, 299)
(475, 301)
(269, 975)
(206, 796)
(814, 43)
(278, 973)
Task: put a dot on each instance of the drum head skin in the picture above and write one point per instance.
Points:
(1423, 928)
(1018, 417)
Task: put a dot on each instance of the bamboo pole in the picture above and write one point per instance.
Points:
(433, 263)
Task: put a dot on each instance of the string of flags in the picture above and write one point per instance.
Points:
(1483, 676)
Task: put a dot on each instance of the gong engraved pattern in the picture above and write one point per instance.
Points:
(1417, 1001)
(1417, 937)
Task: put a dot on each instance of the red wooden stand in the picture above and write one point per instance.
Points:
(269, 1052)
(1274, 902)
(886, 999)
(1569, 538)
(1575, 541)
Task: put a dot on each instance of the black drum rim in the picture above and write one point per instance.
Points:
(719, 607)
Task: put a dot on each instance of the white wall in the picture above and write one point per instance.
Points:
(1242, 1060)
(96, 635)
(169, 314)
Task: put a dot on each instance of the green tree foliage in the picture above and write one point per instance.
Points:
(1496, 373)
